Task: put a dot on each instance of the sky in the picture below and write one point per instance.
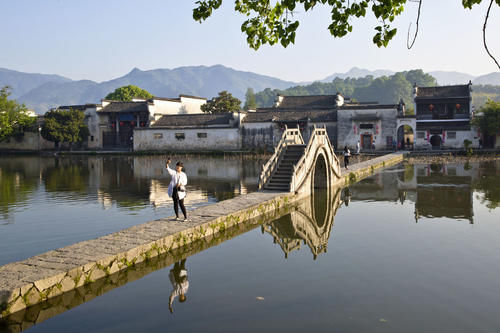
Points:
(103, 39)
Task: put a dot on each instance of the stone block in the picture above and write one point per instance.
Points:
(31, 297)
(17, 305)
(114, 268)
(49, 282)
(96, 274)
(67, 284)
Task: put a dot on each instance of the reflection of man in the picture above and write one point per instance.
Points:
(347, 196)
(179, 279)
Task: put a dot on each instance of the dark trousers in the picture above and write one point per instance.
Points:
(346, 161)
(177, 203)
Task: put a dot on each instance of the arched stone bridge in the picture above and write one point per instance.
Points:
(299, 168)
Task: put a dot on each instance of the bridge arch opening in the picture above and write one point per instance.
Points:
(319, 190)
(320, 179)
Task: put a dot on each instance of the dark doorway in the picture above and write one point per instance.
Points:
(436, 141)
(405, 137)
(366, 141)
(489, 141)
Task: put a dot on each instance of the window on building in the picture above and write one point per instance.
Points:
(420, 135)
(202, 135)
(158, 136)
(366, 126)
(451, 135)
(180, 136)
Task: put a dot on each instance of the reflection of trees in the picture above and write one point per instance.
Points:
(15, 187)
(67, 175)
(310, 222)
(118, 182)
(488, 183)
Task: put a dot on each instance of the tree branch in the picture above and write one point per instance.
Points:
(408, 45)
(484, 35)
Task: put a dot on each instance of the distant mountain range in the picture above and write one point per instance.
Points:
(43, 91)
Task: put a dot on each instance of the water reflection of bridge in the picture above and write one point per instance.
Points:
(310, 223)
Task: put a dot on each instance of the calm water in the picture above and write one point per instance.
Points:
(412, 249)
(47, 203)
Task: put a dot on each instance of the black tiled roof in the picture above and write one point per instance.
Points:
(444, 91)
(276, 114)
(81, 107)
(368, 106)
(308, 101)
(126, 107)
(194, 120)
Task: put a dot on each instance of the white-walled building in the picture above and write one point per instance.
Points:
(191, 132)
(443, 117)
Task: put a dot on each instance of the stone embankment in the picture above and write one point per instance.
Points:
(56, 273)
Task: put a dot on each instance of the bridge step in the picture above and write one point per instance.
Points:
(277, 188)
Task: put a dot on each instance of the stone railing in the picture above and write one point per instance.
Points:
(319, 138)
(290, 136)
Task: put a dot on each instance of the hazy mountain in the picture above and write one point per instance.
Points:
(41, 91)
(492, 78)
(356, 72)
(21, 82)
(194, 80)
(450, 78)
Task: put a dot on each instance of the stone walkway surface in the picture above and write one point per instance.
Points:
(45, 276)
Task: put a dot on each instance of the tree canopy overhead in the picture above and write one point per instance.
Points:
(225, 102)
(127, 93)
(14, 117)
(272, 22)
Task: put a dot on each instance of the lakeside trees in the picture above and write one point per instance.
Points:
(127, 93)
(225, 102)
(488, 120)
(14, 117)
(65, 126)
(385, 89)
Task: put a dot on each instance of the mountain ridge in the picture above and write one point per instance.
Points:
(44, 91)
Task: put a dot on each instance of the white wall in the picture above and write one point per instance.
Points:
(162, 107)
(192, 105)
(165, 139)
(30, 141)
(457, 143)
(349, 131)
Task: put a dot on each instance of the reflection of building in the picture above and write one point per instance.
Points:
(444, 191)
(310, 223)
(437, 190)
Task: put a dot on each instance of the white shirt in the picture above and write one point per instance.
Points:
(177, 178)
(178, 288)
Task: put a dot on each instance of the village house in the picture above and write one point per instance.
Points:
(111, 123)
(191, 132)
(443, 117)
